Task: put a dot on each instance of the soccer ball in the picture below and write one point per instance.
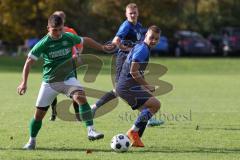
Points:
(120, 143)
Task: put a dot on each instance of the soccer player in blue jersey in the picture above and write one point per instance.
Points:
(130, 31)
(133, 88)
(56, 50)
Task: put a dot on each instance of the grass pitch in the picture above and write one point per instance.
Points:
(201, 116)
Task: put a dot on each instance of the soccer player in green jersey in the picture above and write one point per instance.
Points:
(76, 50)
(56, 50)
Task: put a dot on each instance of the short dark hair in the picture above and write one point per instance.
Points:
(61, 14)
(155, 29)
(55, 21)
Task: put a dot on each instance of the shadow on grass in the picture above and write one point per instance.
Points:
(140, 150)
(188, 150)
(199, 127)
(204, 128)
(54, 149)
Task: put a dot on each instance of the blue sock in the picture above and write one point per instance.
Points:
(106, 98)
(141, 130)
(142, 120)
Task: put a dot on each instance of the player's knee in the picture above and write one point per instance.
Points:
(40, 113)
(79, 97)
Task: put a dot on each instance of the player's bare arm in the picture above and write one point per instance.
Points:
(117, 41)
(93, 44)
(134, 71)
(26, 69)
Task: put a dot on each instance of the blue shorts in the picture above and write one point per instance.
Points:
(135, 96)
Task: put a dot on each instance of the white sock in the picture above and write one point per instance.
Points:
(89, 128)
(135, 128)
(32, 139)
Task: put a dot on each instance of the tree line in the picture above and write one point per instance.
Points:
(100, 19)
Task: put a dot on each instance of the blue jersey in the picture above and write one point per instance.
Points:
(130, 32)
(140, 53)
(129, 89)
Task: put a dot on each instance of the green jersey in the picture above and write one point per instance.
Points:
(57, 55)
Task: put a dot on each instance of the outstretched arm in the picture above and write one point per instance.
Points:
(92, 43)
(26, 69)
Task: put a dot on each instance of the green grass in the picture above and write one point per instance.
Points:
(209, 88)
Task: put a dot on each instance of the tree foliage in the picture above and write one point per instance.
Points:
(101, 18)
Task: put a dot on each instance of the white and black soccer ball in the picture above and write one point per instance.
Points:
(120, 143)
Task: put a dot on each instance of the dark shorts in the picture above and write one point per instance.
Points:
(135, 97)
(121, 57)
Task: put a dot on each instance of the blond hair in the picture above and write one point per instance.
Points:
(131, 6)
(155, 29)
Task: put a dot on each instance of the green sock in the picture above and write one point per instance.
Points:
(86, 114)
(35, 127)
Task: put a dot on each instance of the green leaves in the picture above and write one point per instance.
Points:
(20, 20)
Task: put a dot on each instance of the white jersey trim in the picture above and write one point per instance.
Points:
(82, 40)
(32, 56)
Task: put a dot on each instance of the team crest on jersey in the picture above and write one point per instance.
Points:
(64, 43)
(138, 36)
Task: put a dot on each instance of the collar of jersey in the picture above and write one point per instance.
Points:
(53, 38)
(132, 23)
(147, 45)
